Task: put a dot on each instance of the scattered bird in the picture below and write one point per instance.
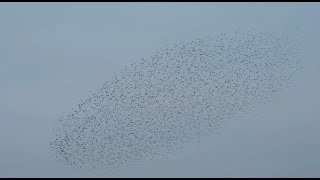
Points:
(179, 94)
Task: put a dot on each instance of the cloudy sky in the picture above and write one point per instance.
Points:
(54, 54)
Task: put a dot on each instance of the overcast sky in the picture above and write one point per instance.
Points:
(53, 54)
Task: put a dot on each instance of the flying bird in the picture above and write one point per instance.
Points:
(180, 94)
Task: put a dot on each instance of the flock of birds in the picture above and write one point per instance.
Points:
(178, 95)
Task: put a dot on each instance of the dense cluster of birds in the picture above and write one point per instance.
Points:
(177, 95)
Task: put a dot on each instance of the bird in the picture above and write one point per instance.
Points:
(178, 95)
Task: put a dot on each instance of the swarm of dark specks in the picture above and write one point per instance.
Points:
(179, 94)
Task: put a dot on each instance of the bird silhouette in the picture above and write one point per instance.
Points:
(178, 95)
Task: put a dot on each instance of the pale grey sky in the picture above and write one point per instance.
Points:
(53, 54)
